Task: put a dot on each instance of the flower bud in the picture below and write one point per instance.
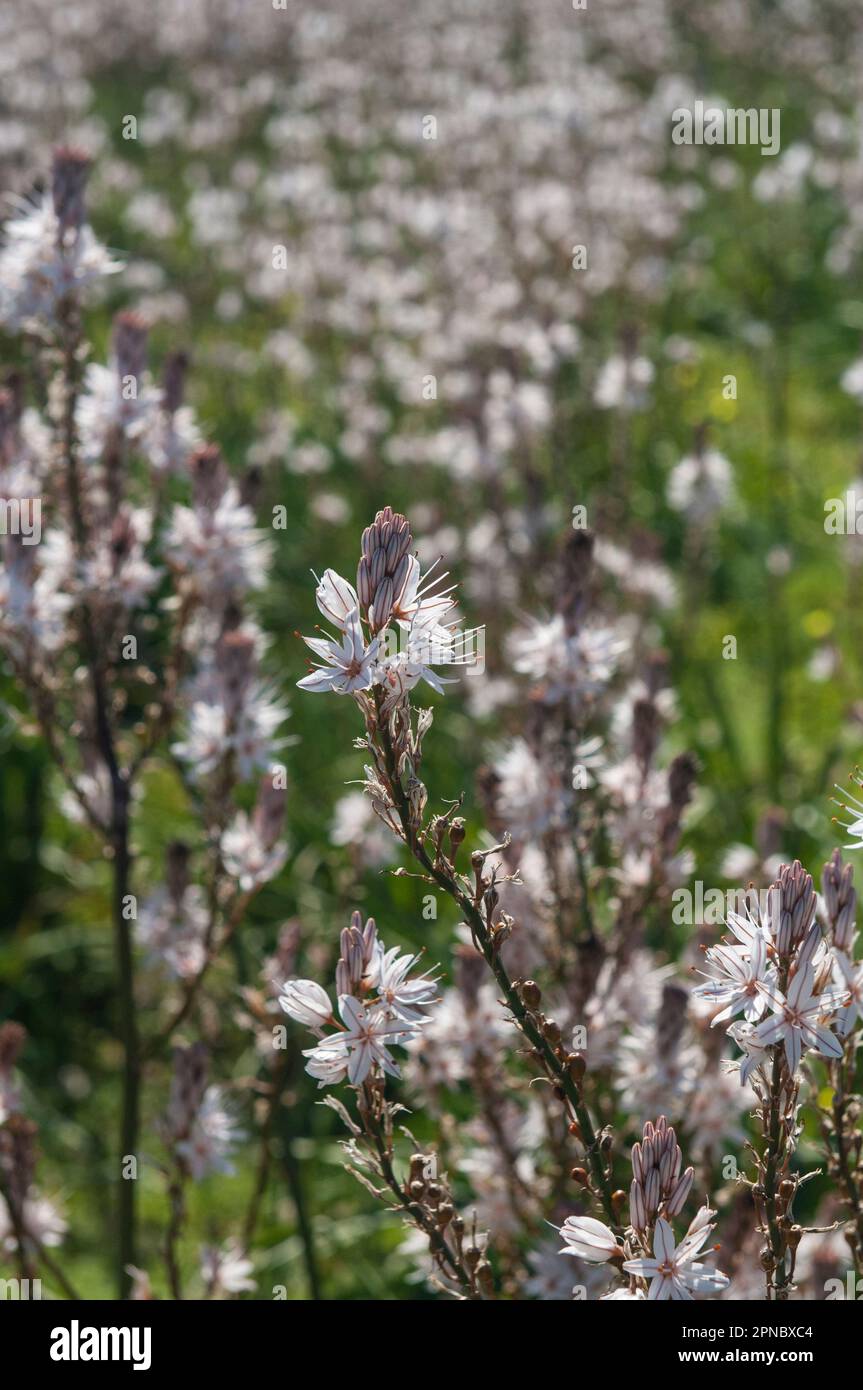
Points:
(70, 173)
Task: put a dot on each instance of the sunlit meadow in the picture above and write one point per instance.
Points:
(431, 623)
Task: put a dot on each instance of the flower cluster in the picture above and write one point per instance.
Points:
(780, 966)
(796, 989)
(381, 1004)
(393, 625)
(658, 1194)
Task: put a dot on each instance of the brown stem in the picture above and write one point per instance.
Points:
(262, 1176)
(172, 1237)
(554, 1065)
(773, 1154)
(119, 827)
(441, 1251)
(845, 1162)
(194, 986)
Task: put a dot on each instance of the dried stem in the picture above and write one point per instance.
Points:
(450, 1261)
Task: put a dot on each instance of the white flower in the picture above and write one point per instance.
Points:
(852, 380)
(578, 665)
(42, 1220)
(746, 928)
(532, 795)
(405, 999)
(364, 1039)
(739, 986)
(36, 273)
(227, 1270)
(854, 826)
(427, 645)
(307, 1002)
(700, 484)
(219, 549)
(209, 738)
(245, 855)
(849, 973)
(671, 1272)
(336, 598)
(328, 1062)
(461, 1036)
(206, 741)
(414, 601)
(214, 1134)
(105, 407)
(350, 663)
(797, 1020)
(757, 1053)
(252, 742)
(119, 570)
(623, 383)
(588, 1239)
(356, 826)
(173, 933)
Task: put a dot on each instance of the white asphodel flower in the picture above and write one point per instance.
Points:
(427, 645)
(738, 987)
(404, 998)
(336, 598)
(350, 663)
(328, 1062)
(746, 926)
(854, 807)
(588, 1239)
(404, 612)
(415, 602)
(757, 1054)
(798, 1016)
(849, 975)
(364, 1039)
(307, 1002)
(36, 273)
(673, 1272)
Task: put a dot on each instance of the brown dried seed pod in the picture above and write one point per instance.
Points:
(577, 1068)
(531, 994)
